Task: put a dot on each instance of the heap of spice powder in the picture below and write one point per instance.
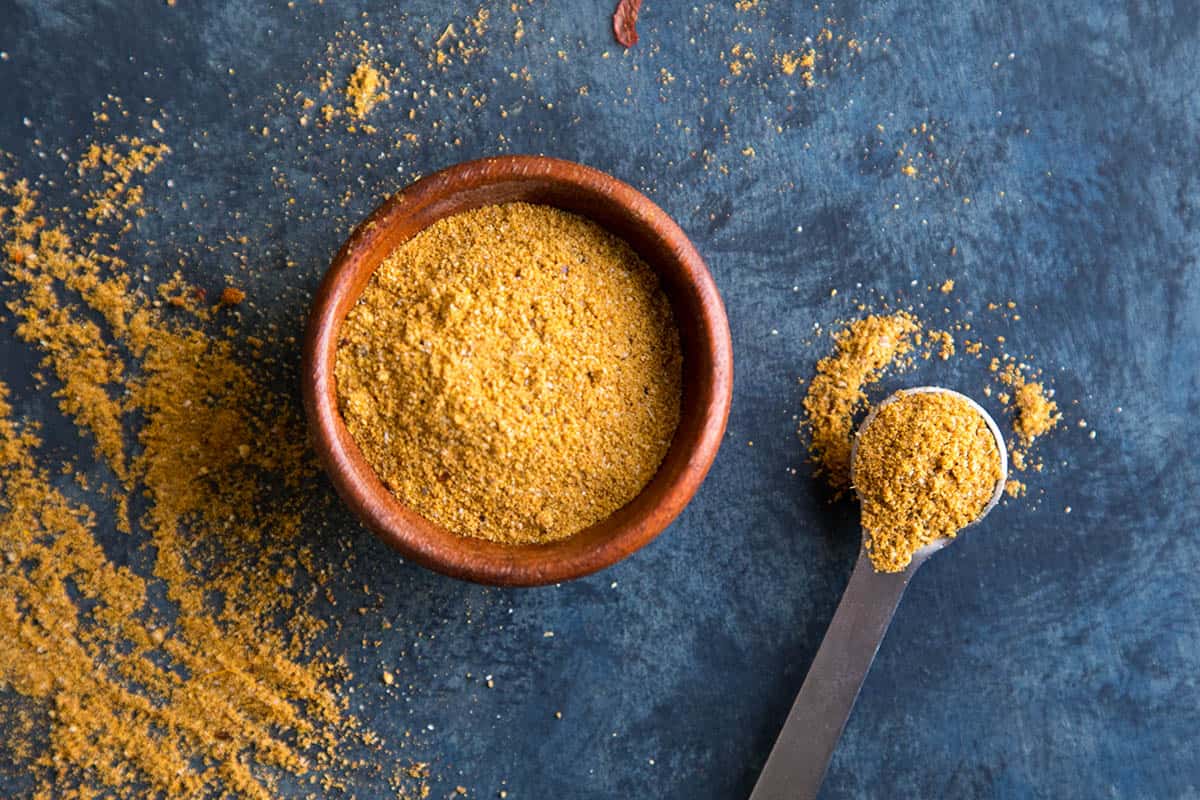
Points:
(173, 678)
(512, 373)
(925, 467)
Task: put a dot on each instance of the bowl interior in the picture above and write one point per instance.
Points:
(704, 340)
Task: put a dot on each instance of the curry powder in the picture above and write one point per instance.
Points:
(926, 466)
(512, 373)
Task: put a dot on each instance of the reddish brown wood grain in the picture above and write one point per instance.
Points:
(704, 335)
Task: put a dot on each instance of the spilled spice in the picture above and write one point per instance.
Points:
(170, 673)
(1034, 413)
(945, 344)
(232, 296)
(866, 348)
(803, 61)
(925, 467)
(837, 393)
(365, 89)
(512, 373)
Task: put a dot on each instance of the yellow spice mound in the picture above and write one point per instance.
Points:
(925, 467)
(512, 373)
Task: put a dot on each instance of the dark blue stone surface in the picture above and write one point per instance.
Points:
(1044, 655)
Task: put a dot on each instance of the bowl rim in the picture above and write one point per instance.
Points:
(479, 560)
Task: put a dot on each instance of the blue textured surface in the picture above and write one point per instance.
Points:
(1044, 655)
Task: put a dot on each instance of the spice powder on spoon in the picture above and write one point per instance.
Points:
(512, 373)
(925, 468)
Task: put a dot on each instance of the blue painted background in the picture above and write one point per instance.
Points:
(1045, 654)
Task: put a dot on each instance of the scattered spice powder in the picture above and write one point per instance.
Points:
(118, 164)
(836, 394)
(232, 296)
(925, 467)
(805, 61)
(866, 348)
(945, 344)
(1036, 413)
(512, 373)
(172, 677)
(366, 89)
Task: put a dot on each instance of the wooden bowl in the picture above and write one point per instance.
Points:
(704, 336)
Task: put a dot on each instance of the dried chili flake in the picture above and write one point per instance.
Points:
(625, 22)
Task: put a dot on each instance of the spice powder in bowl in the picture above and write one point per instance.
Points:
(924, 468)
(512, 373)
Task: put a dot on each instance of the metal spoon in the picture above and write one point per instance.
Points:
(797, 763)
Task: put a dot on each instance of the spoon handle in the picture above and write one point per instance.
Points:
(797, 763)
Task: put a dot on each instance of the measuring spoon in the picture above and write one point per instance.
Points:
(797, 763)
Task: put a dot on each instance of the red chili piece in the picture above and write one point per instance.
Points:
(625, 22)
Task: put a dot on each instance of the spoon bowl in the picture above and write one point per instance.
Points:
(925, 552)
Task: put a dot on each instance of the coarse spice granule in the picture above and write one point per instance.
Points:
(512, 373)
(926, 466)
(366, 88)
